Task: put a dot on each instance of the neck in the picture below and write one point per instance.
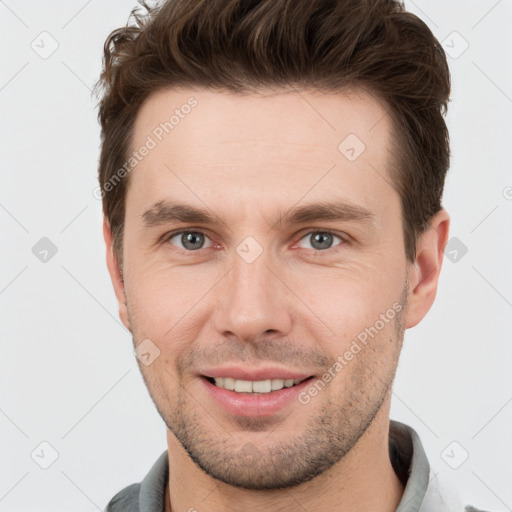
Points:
(363, 480)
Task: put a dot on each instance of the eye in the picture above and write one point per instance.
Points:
(320, 240)
(189, 240)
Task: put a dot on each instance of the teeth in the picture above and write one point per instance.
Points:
(262, 386)
(243, 386)
(229, 383)
(258, 386)
(277, 384)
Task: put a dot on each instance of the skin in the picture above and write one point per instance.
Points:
(250, 159)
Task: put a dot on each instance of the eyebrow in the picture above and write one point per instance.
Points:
(164, 212)
(327, 211)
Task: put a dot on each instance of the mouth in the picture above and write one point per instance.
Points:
(254, 387)
(255, 398)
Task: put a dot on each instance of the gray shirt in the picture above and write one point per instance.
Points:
(423, 491)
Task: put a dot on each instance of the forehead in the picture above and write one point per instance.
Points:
(205, 143)
(225, 117)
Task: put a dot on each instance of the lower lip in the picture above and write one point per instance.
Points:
(249, 405)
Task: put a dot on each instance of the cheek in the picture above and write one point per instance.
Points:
(350, 297)
(163, 300)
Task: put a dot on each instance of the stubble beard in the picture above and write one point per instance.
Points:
(282, 458)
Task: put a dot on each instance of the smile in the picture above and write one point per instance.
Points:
(254, 398)
(253, 386)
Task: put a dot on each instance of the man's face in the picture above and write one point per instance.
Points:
(265, 294)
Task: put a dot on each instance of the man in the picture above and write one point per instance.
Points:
(272, 174)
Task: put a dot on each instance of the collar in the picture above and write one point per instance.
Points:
(410, 463)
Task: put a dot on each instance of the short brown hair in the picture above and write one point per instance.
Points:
(249, 45)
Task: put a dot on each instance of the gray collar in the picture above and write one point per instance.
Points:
(405, 445)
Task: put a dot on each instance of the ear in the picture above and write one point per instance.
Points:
(424, 271)
(115, 275)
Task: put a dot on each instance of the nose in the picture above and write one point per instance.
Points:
(253, 302)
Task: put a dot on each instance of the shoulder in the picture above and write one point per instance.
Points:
(442, 495)
(126, 500)
(426, 490)
(148, 495)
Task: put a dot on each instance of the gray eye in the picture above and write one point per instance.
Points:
(189, 240)
(320, 240)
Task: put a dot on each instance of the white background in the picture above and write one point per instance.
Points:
(68, 375)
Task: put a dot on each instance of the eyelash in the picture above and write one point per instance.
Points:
(344, 240)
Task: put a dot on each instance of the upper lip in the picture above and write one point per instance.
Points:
(254, 374)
